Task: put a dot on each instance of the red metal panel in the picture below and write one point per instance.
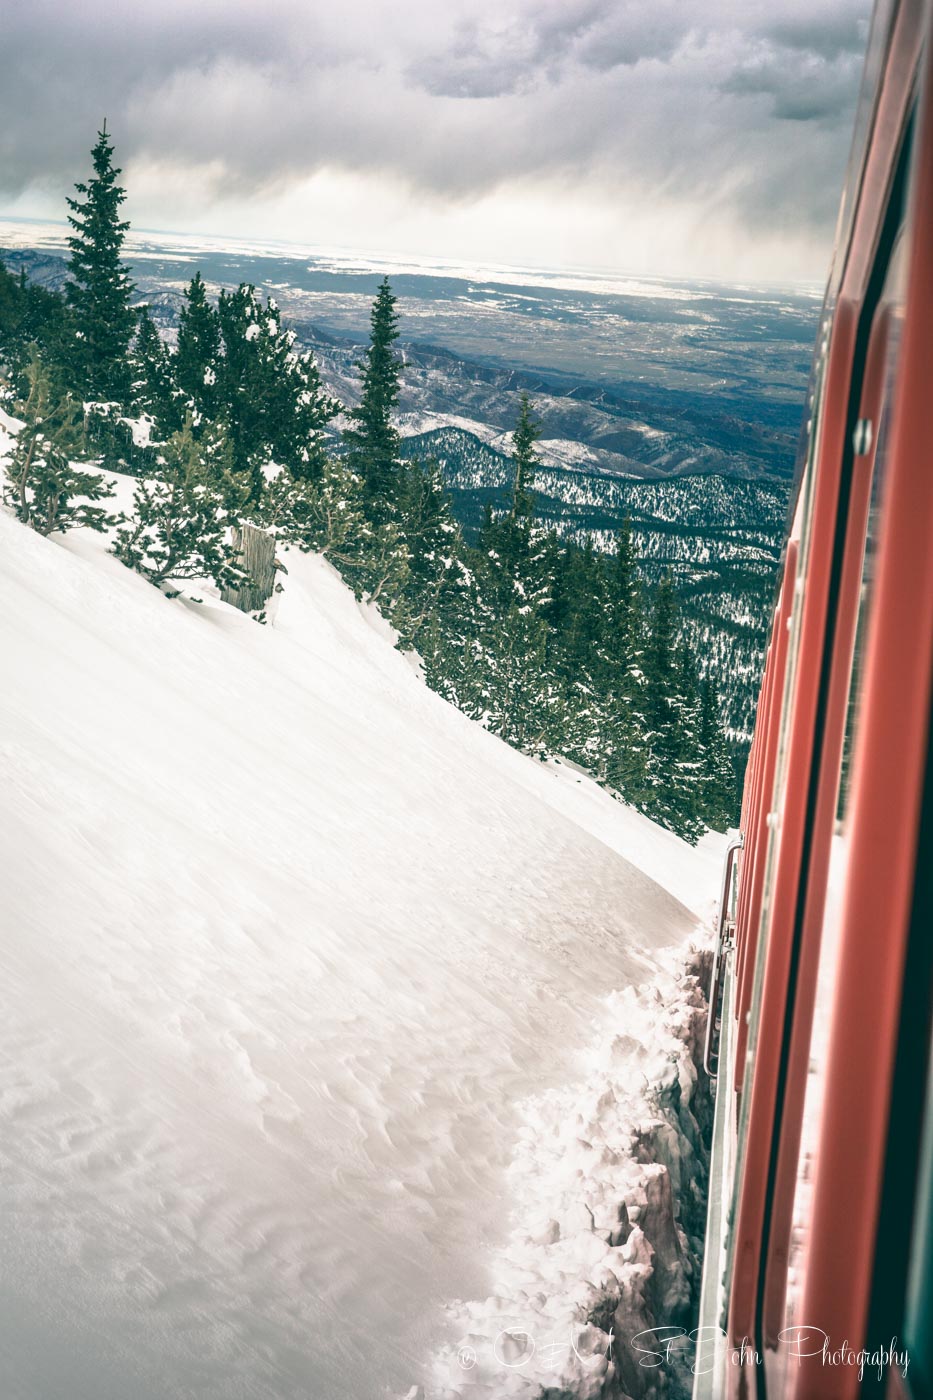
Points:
(752, 804)
(846, 619)
(764, 797)
(791, 815)
(885, 803)
(759, 791)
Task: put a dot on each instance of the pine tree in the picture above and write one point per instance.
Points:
(527, 433)
(101, 321)
(662, 741)
(325, 516)
(660, 653)
(153, 383)
(518, 558)
(433, 540)
(525, 698)
(42, 487)
(519, 689)
(573, 606)
(372, 440)
(687, 775)
(12, 309)
(448, 642)
(507, 539)
(578, 610)
(528, 692)
(270, 396)
(31, 319)
(197, 355)
(180, 527)
(625, 746)
(382, 573)
(718, 798)
(623, 598)
(674, 760)
(619, 675)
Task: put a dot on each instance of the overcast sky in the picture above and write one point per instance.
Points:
(681, 137)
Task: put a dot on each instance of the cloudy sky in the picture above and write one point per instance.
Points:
(680, 137)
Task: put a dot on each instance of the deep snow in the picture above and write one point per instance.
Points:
(291, 952)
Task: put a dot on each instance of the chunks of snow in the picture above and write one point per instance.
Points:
(298, 964)
(608, 1153)
(141, 428)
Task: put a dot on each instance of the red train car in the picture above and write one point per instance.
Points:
(818, 1279)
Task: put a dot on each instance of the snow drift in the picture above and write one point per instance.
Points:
(294, 957)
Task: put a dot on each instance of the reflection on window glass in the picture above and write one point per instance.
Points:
(894, 301)
(805, 505)
(891, 306)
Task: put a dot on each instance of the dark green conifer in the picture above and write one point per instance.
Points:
(42, 486)
(153, 383)
(372, 440)
(513, 532)
(527, 433)
(270, 396)
(433, 540)
(12, 309)
(687, 772)
(622, 594)
(101, 321)
(197, 355)
(32, 318)
(324, 515)
(181, 522)
(718, 801)
(659, 657)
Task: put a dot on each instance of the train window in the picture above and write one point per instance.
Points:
(892, 305)
(886, 323)
(802, 528)
(805, 514)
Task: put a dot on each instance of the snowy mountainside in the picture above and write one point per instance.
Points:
(678, 404)
(720, 536)
(289, 944)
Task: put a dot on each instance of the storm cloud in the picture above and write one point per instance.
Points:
(727, 120)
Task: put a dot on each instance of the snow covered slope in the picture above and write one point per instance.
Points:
(287, 942)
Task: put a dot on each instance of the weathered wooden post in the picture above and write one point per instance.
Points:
(257, 560)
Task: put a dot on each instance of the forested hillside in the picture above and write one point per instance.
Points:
(720, 538)
(563, 637)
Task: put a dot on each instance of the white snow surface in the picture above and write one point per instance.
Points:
(292, 955)
(575, 1266)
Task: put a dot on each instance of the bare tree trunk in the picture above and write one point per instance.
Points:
(257, 560)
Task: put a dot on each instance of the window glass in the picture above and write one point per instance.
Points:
(891, 307)
(805, 511)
